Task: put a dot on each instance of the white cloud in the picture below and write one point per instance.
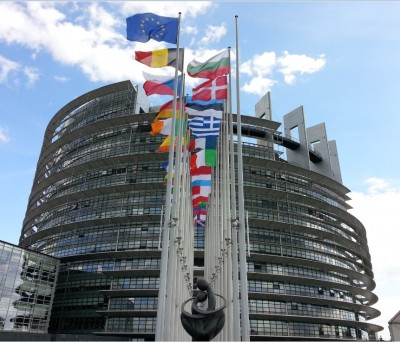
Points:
(4, 138)
(291, 65)
(377, 208)
(32, 74)
(258, 85)
(192, 30)
(167, 8)
(6, 67)
(90, 38)
(213, 34)
(259, 65)
(87, 36)
(61, 79)
(263, 69)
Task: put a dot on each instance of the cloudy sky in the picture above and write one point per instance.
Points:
(339, 60)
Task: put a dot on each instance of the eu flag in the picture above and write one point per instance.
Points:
(145, 26)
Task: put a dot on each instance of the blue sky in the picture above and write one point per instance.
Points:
(339, 60)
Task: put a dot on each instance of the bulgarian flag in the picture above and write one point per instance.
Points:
(212, 68)
(216, 89)
(160, 58)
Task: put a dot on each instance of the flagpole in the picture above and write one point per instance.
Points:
(235, 267)
(170, 328)
(167, 217)
(242, 236)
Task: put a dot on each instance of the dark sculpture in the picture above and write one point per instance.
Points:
(203, 325)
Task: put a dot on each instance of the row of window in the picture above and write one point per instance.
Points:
(99, 152)
(273, 215)
(104, 205)
(299, 271)
(76, 323)
(299, 253)
(301, 309)
(99, 234)
(80, 304)
(281, 328)
(106, 247)
(260, 176)
(106, 107)
(136, 283)
(133, 303)
(131, 324)
(294, 289)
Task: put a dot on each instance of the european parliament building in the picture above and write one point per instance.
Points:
(96, 203)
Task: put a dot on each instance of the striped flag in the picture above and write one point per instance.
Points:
(161, 85)
(205, 143)
(201, 183)
(160, 58)
(200, 108)
(162, 126)
(205, 126)
(164, 147)
(198, 211)
(203, 158)
(166, 110)
(217, 65)
(201, 180)
(199, 201)
(204, 170)
(201, 190)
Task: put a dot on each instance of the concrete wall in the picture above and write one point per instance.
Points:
(300, 156)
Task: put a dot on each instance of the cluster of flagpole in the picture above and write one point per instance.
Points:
(201, 178)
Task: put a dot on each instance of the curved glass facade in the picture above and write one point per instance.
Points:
(96, 203)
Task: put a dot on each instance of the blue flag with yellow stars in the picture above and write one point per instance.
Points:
(145, 26)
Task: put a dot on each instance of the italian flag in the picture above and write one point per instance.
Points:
(212, 68)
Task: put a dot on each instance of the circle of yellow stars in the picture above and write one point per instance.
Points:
(161, 29)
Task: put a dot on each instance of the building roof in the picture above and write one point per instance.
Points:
(395, 319)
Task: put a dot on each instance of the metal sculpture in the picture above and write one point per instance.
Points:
(203, 325)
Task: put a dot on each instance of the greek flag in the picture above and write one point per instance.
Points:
(203, 126)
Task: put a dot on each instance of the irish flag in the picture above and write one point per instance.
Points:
(212, 68)
(162, 126)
